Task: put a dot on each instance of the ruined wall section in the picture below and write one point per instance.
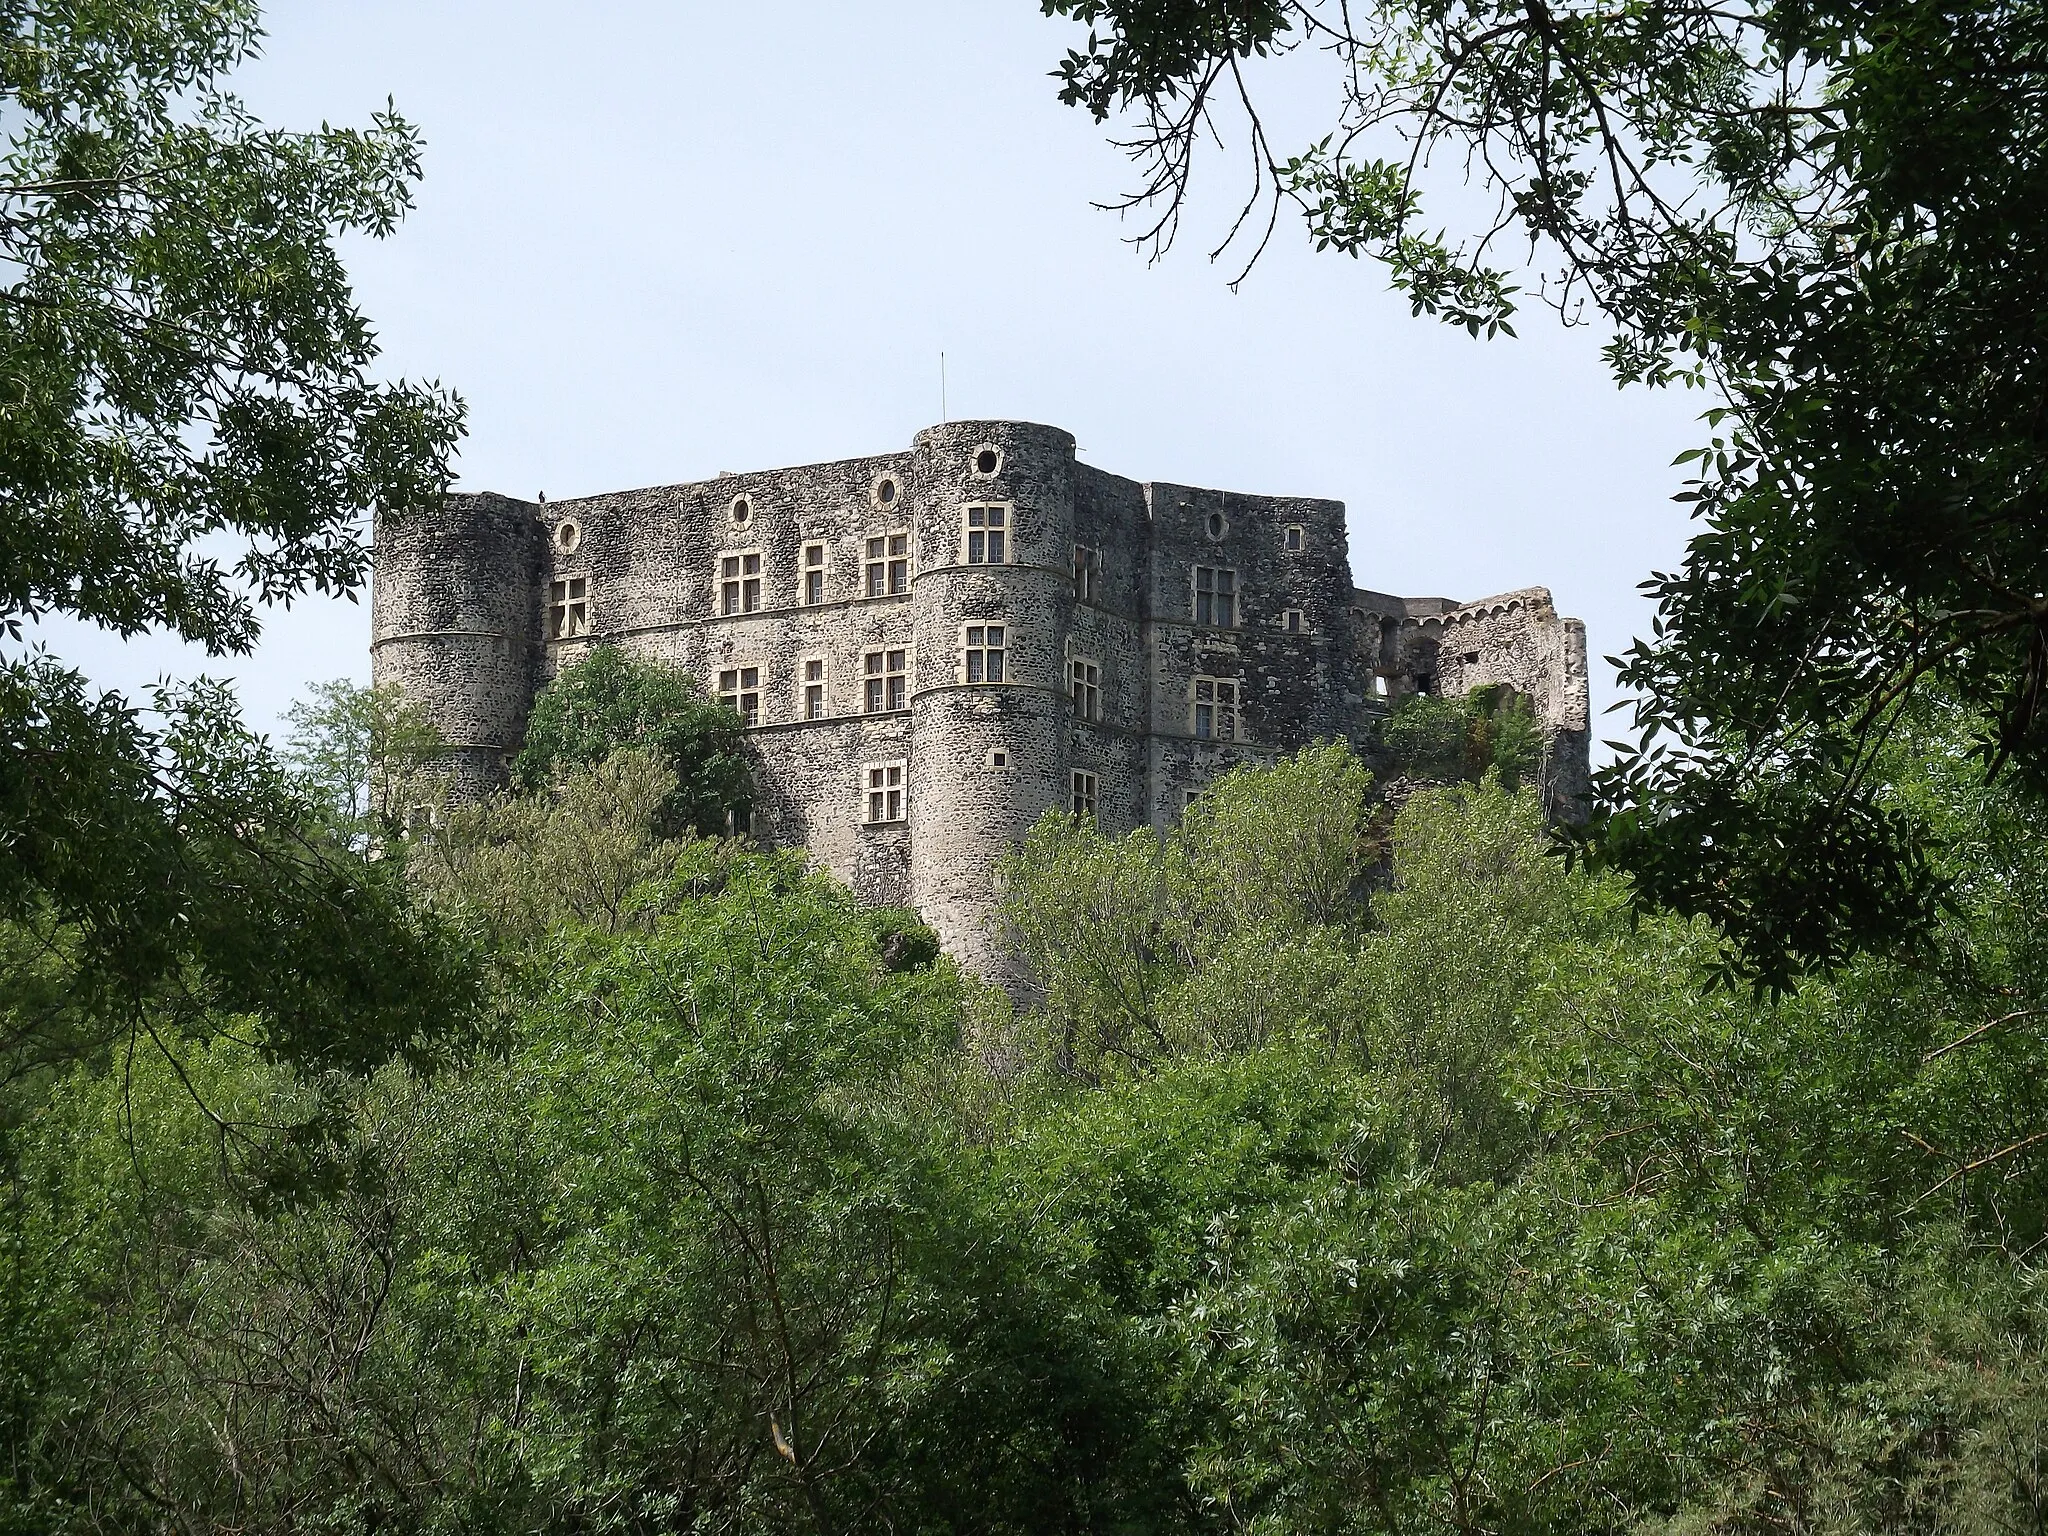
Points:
(455, 622)
(1432, 645)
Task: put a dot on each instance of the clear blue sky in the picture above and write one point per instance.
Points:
(659, 240)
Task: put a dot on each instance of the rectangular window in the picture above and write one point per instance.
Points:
(987, 534)
(1291, 621)
(984, 651)
(569, 608)
(814, 689)
(884, 786)
(1215, 597)
(1081, 800)
(888, 565)
(1084, 682)
(1216, 708)
(739, 584)
(814, 575)
(741, 688)
(1293, 540)
(885, 674)
(1087, 573)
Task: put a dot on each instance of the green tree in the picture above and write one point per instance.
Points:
(1228, 932)
(193, 431)
(362, 755)
(588, 851)
(172, 875)
(1827, 214)
(609, 700)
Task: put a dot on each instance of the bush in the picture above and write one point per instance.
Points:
(1453, 741)
(610, 700)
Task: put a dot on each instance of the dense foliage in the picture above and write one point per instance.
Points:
(1828, 214)
(192, 428)
(1447, 741)
(1297, 1203)
(609, 700)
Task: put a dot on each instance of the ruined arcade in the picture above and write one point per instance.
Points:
(932, 647)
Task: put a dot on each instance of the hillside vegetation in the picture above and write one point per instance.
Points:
(1303, 1199)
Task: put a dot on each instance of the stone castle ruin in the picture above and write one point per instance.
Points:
(930, 648)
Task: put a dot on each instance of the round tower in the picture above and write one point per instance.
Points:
(455, 621)
(987, 757)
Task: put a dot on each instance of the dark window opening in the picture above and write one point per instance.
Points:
(741, 688)
(1081, 800)
(885, 675)
(1215, 597)
(987, 534)
(985, 647)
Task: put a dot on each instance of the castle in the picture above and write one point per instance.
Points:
(931, 648)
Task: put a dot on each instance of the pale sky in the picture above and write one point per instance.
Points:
(656, 241)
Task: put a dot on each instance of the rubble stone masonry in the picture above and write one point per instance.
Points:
(936, 646)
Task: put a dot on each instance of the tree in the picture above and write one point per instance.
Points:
(362, 753)
(1828, 214)
(580, 851)
(171, 875)
(1228, 932)
(188, 374)
(610, 700)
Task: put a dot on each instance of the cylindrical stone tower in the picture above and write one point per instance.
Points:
(455, 618)
(987, 758)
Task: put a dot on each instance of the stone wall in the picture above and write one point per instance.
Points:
(468, 603)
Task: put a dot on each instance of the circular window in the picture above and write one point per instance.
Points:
(987, 460)
(567, 536)
(1217, 526)
(886, 492)
(742, 511)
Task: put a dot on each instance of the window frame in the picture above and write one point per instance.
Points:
(1084, 793)
(805, 682)
(875, 788)
(739, 691)
(806, 570)
(1085, 693)
(1293, 621)
(563, 608)
(1215, 606)
(1225, 705)
(882, 677)
(885, 563)
(1003, 529)
(740, 574)
(1088, 574)
(977, 670)
(1294, 539)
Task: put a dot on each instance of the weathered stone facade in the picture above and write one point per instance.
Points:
(937, 645)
